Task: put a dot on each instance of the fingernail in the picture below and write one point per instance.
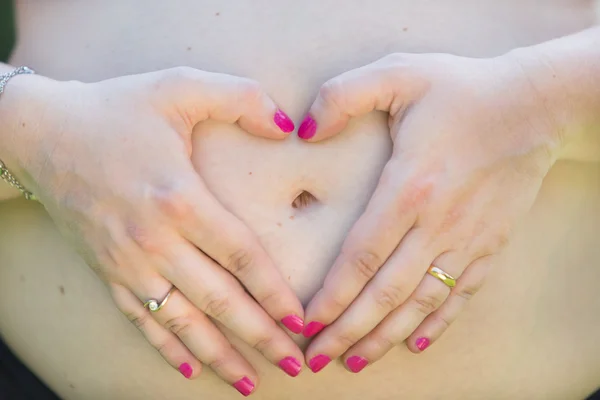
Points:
(186, 370)
(244, 386)
(319, 362)
(283, 121)
(290, 366)
(422, 343)
(307, 129)
(313, 328)
(356, 363)
(294, 323)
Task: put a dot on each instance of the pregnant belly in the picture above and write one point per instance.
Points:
(531, 332)
(301, 199)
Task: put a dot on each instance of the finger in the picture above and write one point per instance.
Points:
(167, 344)
(390, 214)
(229, 242)
(391, 287)
(402, 322)
(215, 292)
(385, 85)
(435, 324)
(195, 96)
(203, 338)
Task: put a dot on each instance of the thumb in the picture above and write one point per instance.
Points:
(385, 85)
(196, 96)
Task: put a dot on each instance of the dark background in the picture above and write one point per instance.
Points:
(7, 31)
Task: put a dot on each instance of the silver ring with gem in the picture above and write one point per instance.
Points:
(154, 306)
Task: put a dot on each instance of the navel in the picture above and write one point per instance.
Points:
(304, 200)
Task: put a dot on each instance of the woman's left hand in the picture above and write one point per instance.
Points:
(473, 140)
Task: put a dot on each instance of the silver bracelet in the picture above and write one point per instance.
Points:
(4, 173)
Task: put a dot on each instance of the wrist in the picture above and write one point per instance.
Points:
(22, 106)
(544, 92)
(523, 98)
(563, 74)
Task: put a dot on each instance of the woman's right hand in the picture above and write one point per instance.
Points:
(110, 161)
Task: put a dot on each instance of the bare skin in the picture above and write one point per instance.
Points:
(257, 181)
(455, 187)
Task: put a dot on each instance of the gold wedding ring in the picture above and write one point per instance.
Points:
(154, 306)
(442, 276)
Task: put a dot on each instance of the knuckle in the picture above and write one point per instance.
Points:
(336, 300)
(240, 263)
(270, 298)
(346, 339)
(165, 348)
(427, 304)
(443, 320)
(263, 343)
(487, 246)
(502, 240)
(382, 342)
(468, 291)
(162, 349)
(179, 325)
(171, 77)
(180, 72)
(365, 264)
(333, 299)
(493, 245)
(332, 92)
(389, 297)
(416, 192)
(492, 239)
(101, 257)
(143, 237)
(102, 263)
(173, 201)
(452, 217)
(502, 237)
(217, 305)
(249, 90)
(395, 64)
(394, 59)
(220, 362)
(138, 319)
(480, 228)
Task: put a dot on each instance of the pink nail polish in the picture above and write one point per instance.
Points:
(313, 328)
(283, 122)
(244, 386)
(294, 323)
(307, 129)
(290, 366)
(318, 362)
(186, 370)
(422, 343)
(356, 363)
